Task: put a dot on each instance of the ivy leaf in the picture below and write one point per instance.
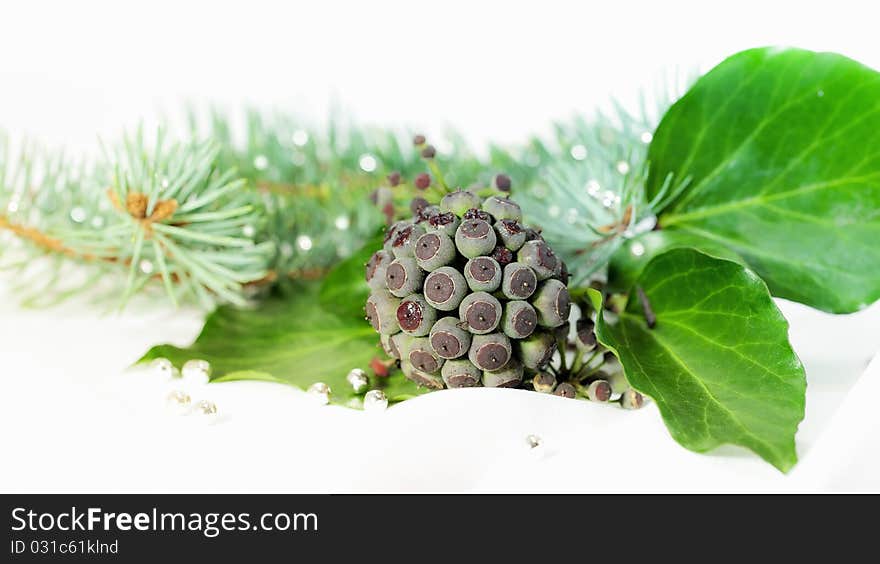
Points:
(344, 290)
(782, 148)
(290, 339)
(628, 262)
(717, 362)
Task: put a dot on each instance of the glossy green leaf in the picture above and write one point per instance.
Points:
(782, 148)
(289, 339)
(344, 290)
(631, 258)
(717, 362)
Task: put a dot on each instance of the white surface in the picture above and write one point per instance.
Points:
(71, 421)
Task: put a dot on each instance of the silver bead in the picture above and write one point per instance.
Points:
(320, 392)
(358, 380)
(375, 400)
(178, 402)
(162, 367)
(205, 407)
(196, 372)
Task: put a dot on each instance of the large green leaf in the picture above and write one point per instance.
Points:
(289, 339)
(344, 290)
(718, 361)
(782, 148)
(631, 258)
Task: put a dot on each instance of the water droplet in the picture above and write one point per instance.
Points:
(12, 207)
(77, 215)
(367, 163)
(146, 266)
(248, 231)
(647, 137)
(608, 202)
(578, 152)
(572, 216)
(342, 222)
(261, 162)
(593, 188)
(304, 242)
(300, 137)
(165, 183)
(623, 167)
(820, 93)
(637, 249)
(97, 222)
(286, 249)
(554, 211)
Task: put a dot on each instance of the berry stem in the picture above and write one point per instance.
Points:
(438, 175)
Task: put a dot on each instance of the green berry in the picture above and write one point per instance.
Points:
(553, 303)
(400, 344)
(445, 288)
(537, 255)
(490, 352)
(403, 277)
(544, 382)
(405, 238)
(536, 350)
(388, 345)
(586, 334)
(483, 274)
(459, 202)
(447, 222)
(475, 237)
(502, 208)
(381, 310)
(449, 339)
(519, 281)
(519, 319)
(481, 312)
(631, 399)
(376, 267)
(599, 390)
(460, 374)
(434, 250)
(421, 377)
(508, 377)
(511, 234)
(391, 233)
(565, 390)
(415, 316)
(422, 356)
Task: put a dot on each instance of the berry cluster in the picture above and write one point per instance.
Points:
(464, 295)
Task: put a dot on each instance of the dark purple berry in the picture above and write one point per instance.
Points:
(422, 181)
(394, 178)
(502, 182)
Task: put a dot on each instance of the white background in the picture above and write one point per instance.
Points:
(69, 72)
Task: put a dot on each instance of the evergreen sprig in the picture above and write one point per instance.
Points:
(230, 211)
